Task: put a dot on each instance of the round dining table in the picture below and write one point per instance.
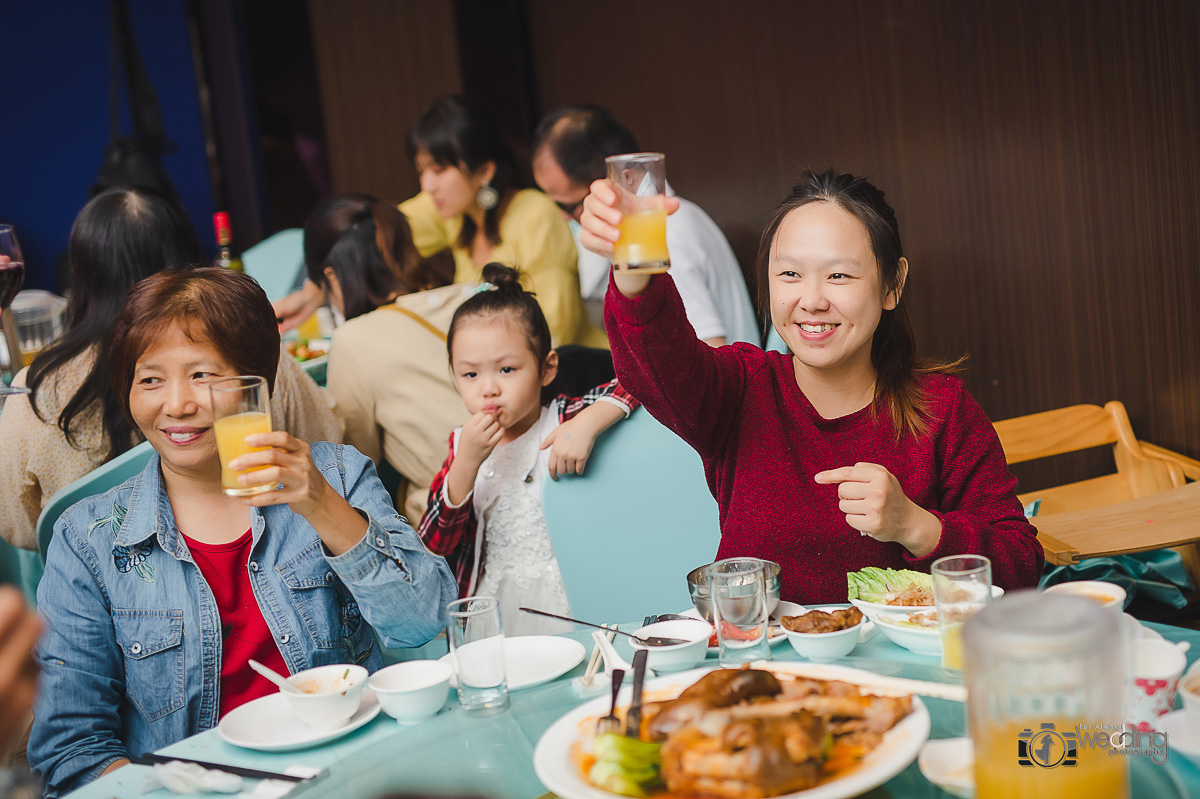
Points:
(459, 754)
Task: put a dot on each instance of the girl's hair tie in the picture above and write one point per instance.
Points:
(485, 287)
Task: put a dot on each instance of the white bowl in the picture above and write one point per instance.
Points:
(412, 691)
(876, 611)
(1108, 595)
(826, 647)
(922, 640)
(680, 656)
(336, 692)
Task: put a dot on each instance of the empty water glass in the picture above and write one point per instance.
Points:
(740, 613)
(476, 638)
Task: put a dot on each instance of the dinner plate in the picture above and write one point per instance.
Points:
(531, 660)
(555, 767)
(268, 724)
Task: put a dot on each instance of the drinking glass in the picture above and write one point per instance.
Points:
(740, 613)
(12, 275)
(640, 180)
(1045, 687)
(240, 407)
(962, 586)
(476, 639)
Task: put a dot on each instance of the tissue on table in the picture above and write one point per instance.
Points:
(179, 777)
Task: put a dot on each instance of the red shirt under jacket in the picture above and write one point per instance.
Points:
(244, 631)
(762, 442)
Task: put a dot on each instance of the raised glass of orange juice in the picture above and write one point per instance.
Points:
(240, 407)
(640, 180)
(1046, 682)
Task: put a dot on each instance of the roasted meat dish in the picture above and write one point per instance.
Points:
(716, 689)
(819, 621)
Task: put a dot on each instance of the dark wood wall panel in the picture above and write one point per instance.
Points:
(1042, 156)
(380, 62)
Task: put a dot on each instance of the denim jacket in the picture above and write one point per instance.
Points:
(131, 656)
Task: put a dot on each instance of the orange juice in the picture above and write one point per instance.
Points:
(231, 432)
(952, 657)
(1097, 774)
(643, 242)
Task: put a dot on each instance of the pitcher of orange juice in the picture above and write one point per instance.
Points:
(640, 180)
(1045, 680)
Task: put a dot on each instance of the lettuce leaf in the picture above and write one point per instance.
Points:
(873, 584)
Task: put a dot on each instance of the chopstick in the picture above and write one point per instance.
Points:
(877, 682)
(151, 759)
(594, 661)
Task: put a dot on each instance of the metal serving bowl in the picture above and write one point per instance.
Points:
(698, 589)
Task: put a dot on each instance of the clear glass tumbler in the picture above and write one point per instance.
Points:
(1045, 681)
(739, 602)
(640, 180)
(240, 407)
(476, 637)
(962, 586)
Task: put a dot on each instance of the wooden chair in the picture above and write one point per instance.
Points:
(1142, 470)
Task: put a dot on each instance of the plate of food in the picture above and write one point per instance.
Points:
(310, 351)
(802, 730)
(893, 593)
(916, 631)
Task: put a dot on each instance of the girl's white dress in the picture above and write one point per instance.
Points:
(520, 567)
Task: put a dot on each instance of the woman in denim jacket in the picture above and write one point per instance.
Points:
(156, 592)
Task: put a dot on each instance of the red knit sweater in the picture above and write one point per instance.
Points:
(762, 442)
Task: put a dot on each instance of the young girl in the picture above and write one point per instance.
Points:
(847, 451)
(485, 514)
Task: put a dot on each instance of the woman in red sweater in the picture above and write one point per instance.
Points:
(847, 451)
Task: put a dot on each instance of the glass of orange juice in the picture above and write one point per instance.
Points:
(240, 407)
(640, 180)
(1045, 687)
(962, 586)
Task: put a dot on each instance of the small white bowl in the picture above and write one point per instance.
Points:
(680, 656)
(412, 691)
(876, 610)
(826, 647)
(336, 698)
(921, 640)
(1108, 595)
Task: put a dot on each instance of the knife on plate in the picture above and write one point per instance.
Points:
(633, 719)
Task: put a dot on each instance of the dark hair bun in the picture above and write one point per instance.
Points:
(504, 278)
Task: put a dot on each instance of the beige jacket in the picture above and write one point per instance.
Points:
(391, 377)
(36, 461)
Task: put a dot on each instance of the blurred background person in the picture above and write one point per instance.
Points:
(569, 149)
(71, 422)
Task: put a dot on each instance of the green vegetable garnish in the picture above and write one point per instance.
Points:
(873, 584)
(624, 765)
(347, 674)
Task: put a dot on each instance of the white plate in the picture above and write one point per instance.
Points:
(920, 640)
(555, 768)
(949, 764)
(269, 725)
(876, 609)
(531, 660)
(1179, 734)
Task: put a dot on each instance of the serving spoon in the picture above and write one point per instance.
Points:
(649, 640)
(275, 677)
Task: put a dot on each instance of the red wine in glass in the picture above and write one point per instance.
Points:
(12, 275)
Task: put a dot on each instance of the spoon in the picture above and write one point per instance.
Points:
(650, 640)
(275, 677)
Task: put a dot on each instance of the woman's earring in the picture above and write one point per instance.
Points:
(487, 198)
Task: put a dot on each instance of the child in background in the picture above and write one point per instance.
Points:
(485, 514)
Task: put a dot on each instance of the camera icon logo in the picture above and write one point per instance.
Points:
(1046, 747)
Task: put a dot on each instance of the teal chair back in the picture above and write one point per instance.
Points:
(276, 262)
(627, 531)
(102, 478)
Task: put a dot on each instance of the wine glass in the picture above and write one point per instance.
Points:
(12, 275)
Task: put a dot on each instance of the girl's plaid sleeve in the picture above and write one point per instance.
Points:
(450, 531)
(609, 392)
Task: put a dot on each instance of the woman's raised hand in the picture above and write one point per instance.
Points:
(294, 308)
(288, 465)
(875, 505)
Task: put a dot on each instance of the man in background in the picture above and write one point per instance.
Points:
(569, 149)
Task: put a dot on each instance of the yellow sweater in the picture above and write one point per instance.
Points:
(533, 238)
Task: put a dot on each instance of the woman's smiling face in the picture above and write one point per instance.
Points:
(171, 404)
(827, 295)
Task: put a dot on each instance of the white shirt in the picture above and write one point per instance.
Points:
(705, 271)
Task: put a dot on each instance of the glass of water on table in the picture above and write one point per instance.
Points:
(740, 613)
(962, 586)
(476, 638)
